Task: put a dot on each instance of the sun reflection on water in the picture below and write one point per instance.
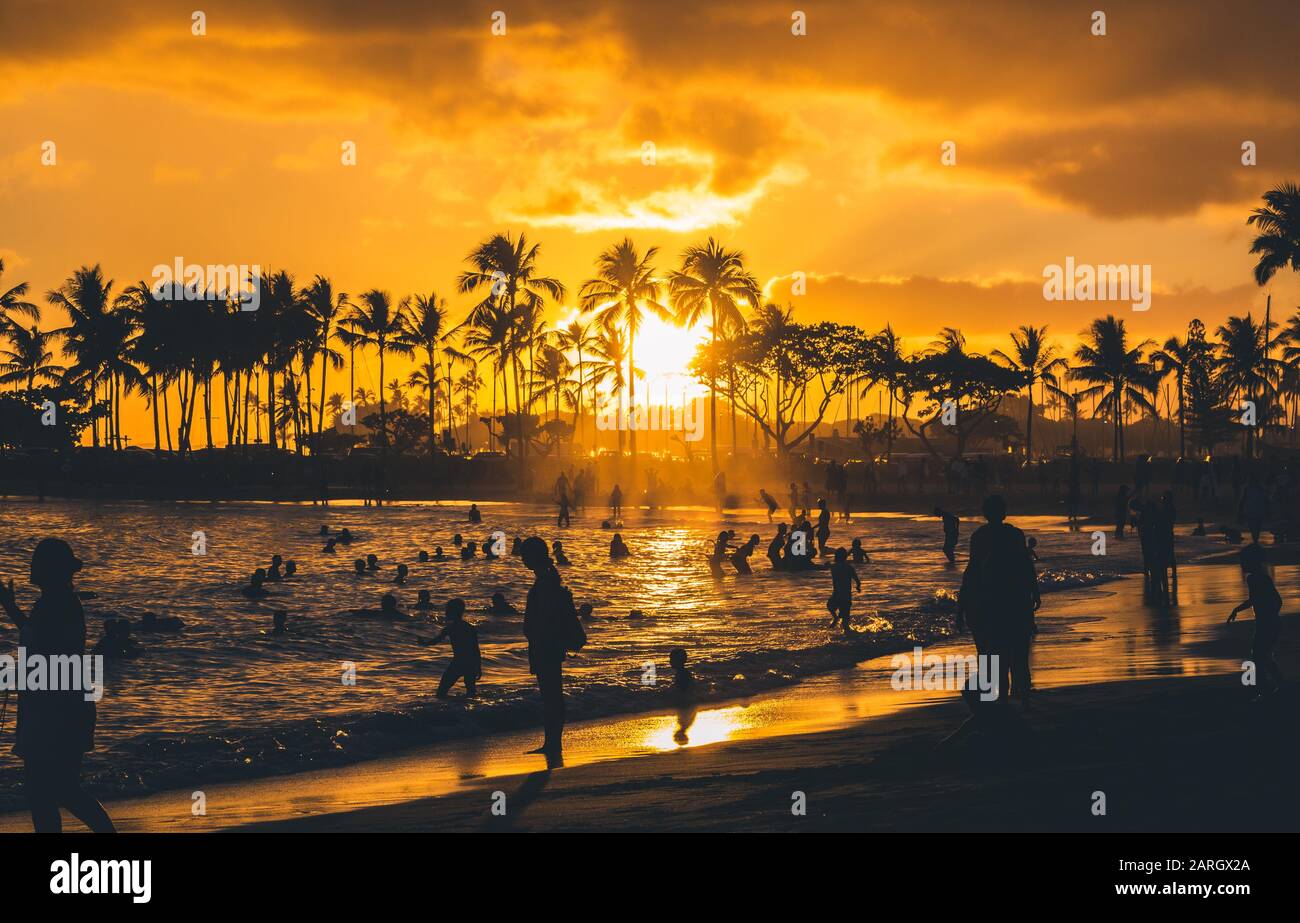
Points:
(676, 732)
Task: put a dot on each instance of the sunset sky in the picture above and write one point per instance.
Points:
(817, 153)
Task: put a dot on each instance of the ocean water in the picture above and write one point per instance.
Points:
(225, 699)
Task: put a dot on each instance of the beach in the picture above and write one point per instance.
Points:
(1144, 705)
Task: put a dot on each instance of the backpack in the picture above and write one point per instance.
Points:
(572, 636)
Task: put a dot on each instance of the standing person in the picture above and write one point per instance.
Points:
(998, 598)
(563, 518)
(616, 502)
(553, 630)
(1254, 507)
(769, 501)
(56, 727)
(720, 491)
(950, 526)
(823, 526)
(794, 501)
(1267, 603)
(1121, 510)
(1073, 493)
(843, 575)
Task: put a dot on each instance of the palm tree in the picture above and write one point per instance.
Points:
(712, 282)
(610, 352)
(29, 357)
(552, 374)
(506, 269)
(1037, 360)
(578, 337)
(14, 301)
(469, 385)
(325, 307)
(424, 326)
(891, 364)
(1175, 358)
(94, 338)
(1115, 371)
(375, 323)
(1279, 222)
(624, 288)
(488, 338)
(1247, 370)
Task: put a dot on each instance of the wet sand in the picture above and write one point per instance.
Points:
(1146, 706)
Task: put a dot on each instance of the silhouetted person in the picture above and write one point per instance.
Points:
(616, 502)
(359, 567)
(345, 536)
(468, 551)
(562, 498)
(1267, 603)
(553, 630)
(769, 501)
(388, 607)
(858, 553)
(843, 576)
(290, 568)
(1121, 510)
(437, 553)
(422, 557)
(500, 606)
(330, 546)
(1254, 507)
(474, 514)
(999, 594)
(255, 589)
(823, 526)
(1200, 527)
(683, 692)
(402, 572)
(466, 662)
(422, 601)
(279, 622)
(950, 526)
(740, 557)
(56, 727)
(561, 559)
(777, 546)
(617, 549)
(372, 562)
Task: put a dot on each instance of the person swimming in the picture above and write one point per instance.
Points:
(466, 660)
(324, 530)
(330, 546)
(557, 552)
(279, 622)
(585, 612)
(858, 553)
(273, 573)
(718, 555)
(617, 548)
(151, 622)
(457, 540)
(255, 589)
(437, 553)
(290, 568)
(468, 551)
(423, 601)
(115, 643)
(359, 567)
(474, 514)
(372, 562)
(345, 536)
(402, 571)
(422, 557)
(769, 501)
(499, 606)
(740, 557)
(388, 607)
(843, 576)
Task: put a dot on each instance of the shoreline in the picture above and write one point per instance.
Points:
(1100, 657)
